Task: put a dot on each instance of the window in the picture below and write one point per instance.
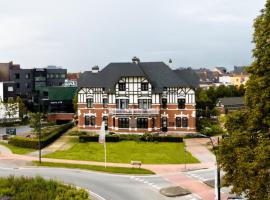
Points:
(144, 103)
(86, 120)
(153, 122)
(185, 122)
(63, 76)
(17, 76)
(122, 86)
(27, 76)
(18, 85)
(89, 103)
(105, 102)
(27, 85)
(178, 121)
(56, 75)
(144, 86)
(52, 75)
(142, 123)
(92, 120)
(122, 103)
(113, 122)
(10, 89)
(123, 122)
(181, 103)
(164, 103)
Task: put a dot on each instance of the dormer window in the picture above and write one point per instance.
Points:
(164, 103)
(122, 86)
(144, 86)
(89, 102)
(105, 102)
(181, 103)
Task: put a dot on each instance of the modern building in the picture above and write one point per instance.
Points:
(7, 90)
(32, 84)
(136, 97)
(60, 104)
(5, 69)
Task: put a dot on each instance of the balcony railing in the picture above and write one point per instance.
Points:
(133, 111)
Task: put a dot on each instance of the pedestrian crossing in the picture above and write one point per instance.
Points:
(157, 183)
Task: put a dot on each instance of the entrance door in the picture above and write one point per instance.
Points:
(105, 119)
(164, 124)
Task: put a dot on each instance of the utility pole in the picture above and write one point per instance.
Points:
(39, 129)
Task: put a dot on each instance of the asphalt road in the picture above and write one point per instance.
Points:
(107, 186)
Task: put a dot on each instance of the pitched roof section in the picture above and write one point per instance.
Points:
(190, 76)
(229, 101)
(158, 73)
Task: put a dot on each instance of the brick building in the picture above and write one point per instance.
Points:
(137, 97)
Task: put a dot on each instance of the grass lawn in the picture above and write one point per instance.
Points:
(125, 151)
(119, 170)
(17, 150)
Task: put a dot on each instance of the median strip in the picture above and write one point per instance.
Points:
(117, 170)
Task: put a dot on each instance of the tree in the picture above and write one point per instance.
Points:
(35, 121)
(75, 102)
(11, 108)
(22, 107)
(245, 156)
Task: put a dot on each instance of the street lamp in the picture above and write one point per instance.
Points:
(218, 197)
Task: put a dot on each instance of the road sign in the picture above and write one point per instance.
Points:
(10, 131)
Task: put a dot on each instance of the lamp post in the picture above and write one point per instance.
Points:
(39, 128)
(218, 196)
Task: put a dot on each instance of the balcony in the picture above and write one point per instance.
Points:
(133, 111)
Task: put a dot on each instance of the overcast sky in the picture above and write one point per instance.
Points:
(77, 34)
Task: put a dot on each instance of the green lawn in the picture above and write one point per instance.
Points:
(18, 150)
(119, 170)
(125, 151)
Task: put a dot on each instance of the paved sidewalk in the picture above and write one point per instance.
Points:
(60, 144)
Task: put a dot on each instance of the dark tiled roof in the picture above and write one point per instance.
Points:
(229, 101)
(239, 70)
(158, 73)
(190, 76)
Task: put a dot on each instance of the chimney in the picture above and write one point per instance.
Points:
(95, 69)
(135, 60)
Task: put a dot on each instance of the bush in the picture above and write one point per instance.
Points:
(34, 143)
(94, 138)
(212, 130)
(145, 138)
(25, 188)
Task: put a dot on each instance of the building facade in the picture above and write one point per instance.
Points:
(136, 97)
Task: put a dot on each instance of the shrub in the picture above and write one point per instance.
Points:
(25, 188)
(212, 130)
(145, 138)
(48, 139)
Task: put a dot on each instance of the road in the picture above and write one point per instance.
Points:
(108, 186)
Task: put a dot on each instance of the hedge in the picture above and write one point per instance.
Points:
(34, 143)
(143, 138)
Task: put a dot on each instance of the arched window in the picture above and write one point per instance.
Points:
(178, 121)
(185, 122)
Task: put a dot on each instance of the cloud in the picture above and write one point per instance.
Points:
(80, 34)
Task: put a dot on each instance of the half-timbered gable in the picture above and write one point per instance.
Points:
(137, 97)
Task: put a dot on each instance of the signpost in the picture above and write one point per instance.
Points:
(11, 131)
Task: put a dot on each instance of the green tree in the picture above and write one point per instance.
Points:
(75, 102)
(11, 109)
(245, 156)
(35, 120)
(22, 107)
